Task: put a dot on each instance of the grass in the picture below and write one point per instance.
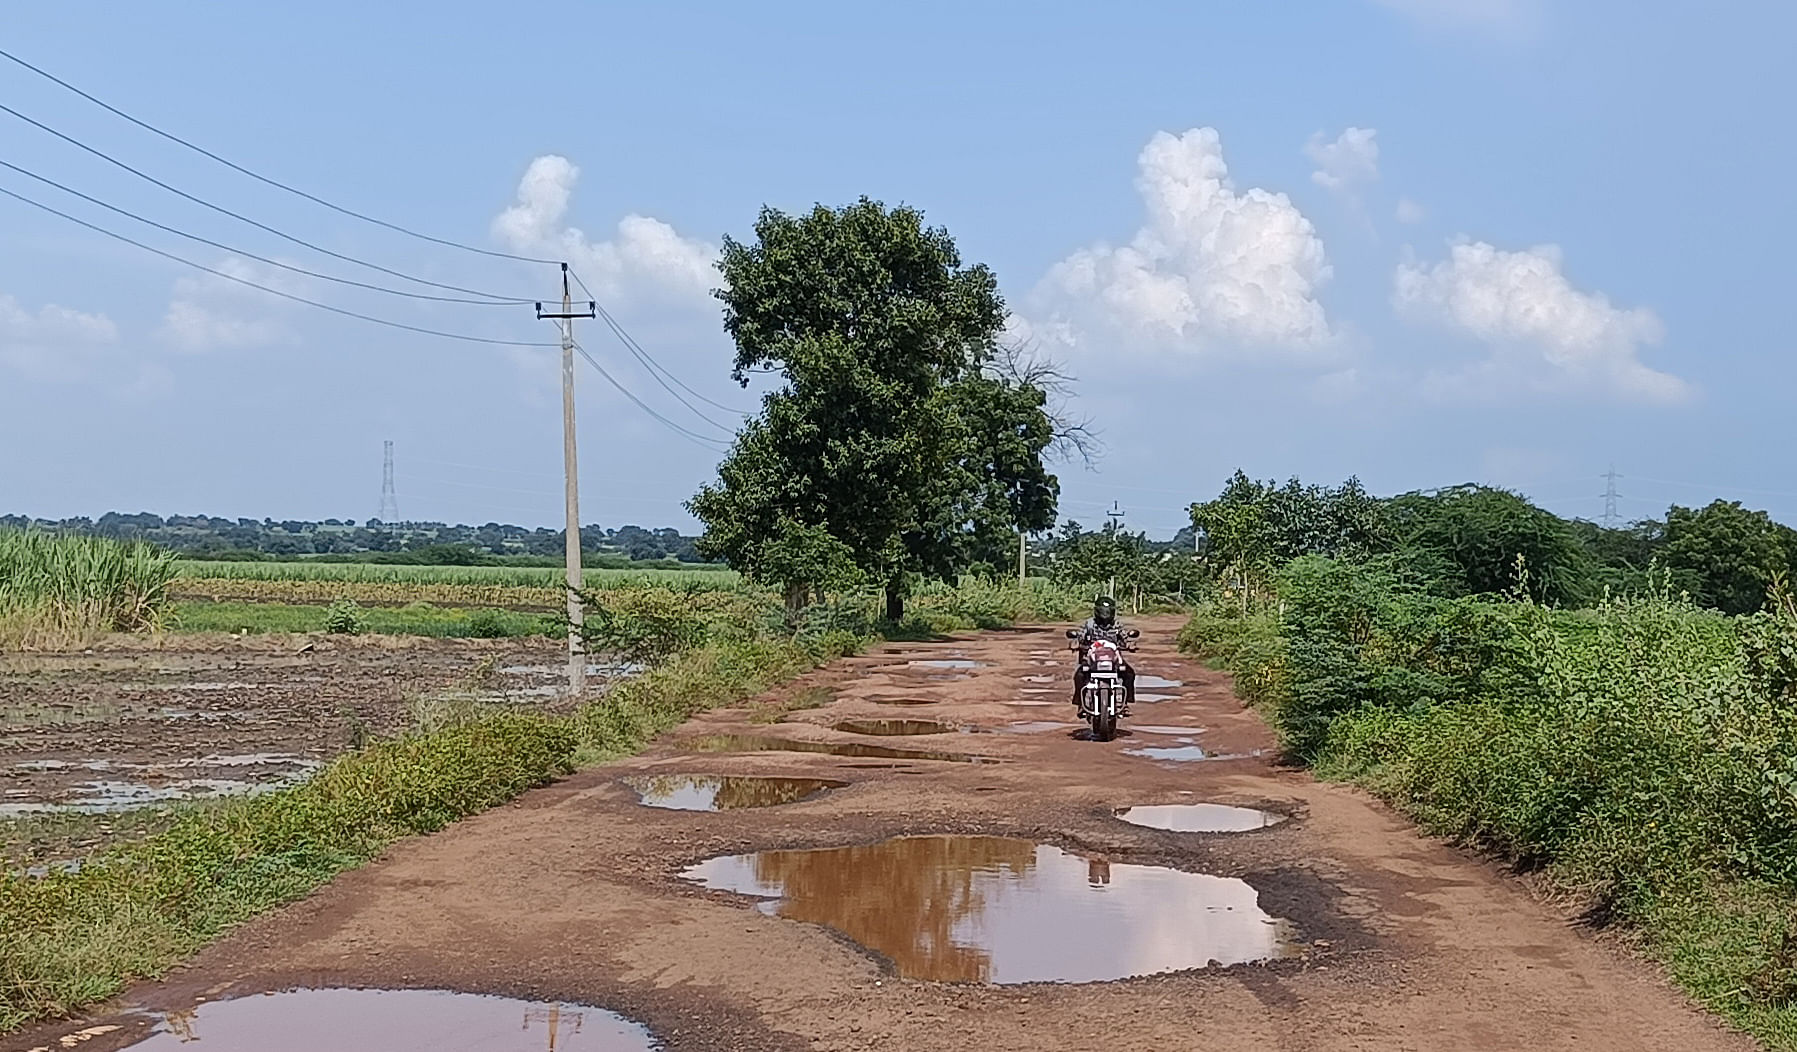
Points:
(417, 619)
(1641, 757)
(60, 591)
(388, 573)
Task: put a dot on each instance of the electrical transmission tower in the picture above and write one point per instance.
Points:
(389, 513)
(1611, 519)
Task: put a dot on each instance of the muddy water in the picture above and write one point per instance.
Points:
(1157, 683)
(716, 792)
(1200, 818)
(391, 1021)
(767, 743)
(996, 910)
(893, 727)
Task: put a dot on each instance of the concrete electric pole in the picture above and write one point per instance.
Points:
(577, 659)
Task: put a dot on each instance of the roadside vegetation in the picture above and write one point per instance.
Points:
(1633, 747)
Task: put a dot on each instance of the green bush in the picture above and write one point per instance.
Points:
(344, 618)
(486, 624)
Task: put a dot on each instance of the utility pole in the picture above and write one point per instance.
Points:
(1611, 518)
(577, 658)
(1116, 517)
(1023, 557)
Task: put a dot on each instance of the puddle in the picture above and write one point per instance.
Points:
(1156, 697)
(1165, 730)
(1039, 690)
(1187, 753)
(947, 663)
(393, 1021)
(716, 792)
(893, 727)
(1200, 818)
(866, 750)
(997, 910)
(1037, 727)
(1157, 683)
(903, 701)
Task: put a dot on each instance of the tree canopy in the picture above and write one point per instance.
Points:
(890, 450)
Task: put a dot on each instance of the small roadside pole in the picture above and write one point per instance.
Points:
(577, 658)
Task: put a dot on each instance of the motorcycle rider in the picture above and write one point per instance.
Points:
(1103, 624)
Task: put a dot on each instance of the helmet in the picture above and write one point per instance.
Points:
(1104, 611)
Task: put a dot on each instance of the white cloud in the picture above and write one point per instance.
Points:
(1410, 212)
(1510, 17)
(647, 257)
(1213, 269)
(1543, 333)
(210, 313)
(1352, 159)
(54, 343)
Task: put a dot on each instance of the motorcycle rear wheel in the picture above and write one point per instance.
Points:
(1104, 728)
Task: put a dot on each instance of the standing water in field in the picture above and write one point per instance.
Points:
(390, 1021)
(997, 910)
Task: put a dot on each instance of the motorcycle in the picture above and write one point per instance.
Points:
(1102, 699)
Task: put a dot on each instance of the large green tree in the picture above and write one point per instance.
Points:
(1470, 540)
(1726, 555)
(1253, 528)
(887, 448)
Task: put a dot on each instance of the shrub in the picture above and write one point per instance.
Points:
(344, 618)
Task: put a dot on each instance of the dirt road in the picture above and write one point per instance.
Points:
(1379, 938)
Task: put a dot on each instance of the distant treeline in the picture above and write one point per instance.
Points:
(211, 537)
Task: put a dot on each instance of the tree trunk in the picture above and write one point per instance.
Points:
(895, 601)
(795, 599)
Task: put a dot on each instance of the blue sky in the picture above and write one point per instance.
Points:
(1421, 241)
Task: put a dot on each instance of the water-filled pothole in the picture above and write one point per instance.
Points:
(992, 909)
(1200, 818)
(394, 1021)
(717, 792)
(1169, 729)
(767, 743)
(893, 727)
(903, 701)
(1188, 753)
(1157, 683)
(947, 663)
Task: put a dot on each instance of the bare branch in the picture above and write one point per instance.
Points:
(1074, 436)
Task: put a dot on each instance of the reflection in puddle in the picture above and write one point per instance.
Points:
(716, 792)
(1157, 683)
(947, 663)
(1188, 753)
(766, 743)
(1200, 818)
(893, 727)
(991, 909)
(394, 1021)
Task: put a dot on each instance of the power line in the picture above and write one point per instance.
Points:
(222, 210)
(703, 440)
(263, 178)
(247, 255)
(264, 288)
(648, 359)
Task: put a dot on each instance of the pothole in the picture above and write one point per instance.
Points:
(1157, 683)
(903, 701)
(1200, 818)
(394, 1021)
(1188, 753)
(1167, 729)
(1036, 727)
(890, 727)
(947, 663)
(768, 743)
(718, 792)
(998, 910)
